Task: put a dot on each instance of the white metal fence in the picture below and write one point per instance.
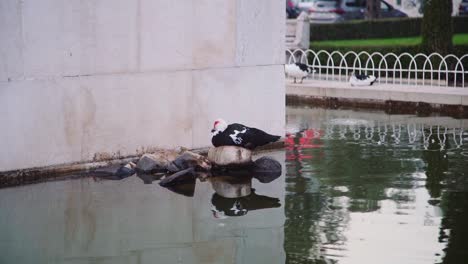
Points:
(432, 70)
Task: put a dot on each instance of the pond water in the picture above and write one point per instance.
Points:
(357, 187)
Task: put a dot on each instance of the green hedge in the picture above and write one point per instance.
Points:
(382, 28)
(458, 50)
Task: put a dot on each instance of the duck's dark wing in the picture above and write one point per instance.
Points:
(231, 136)
(243, 136)
(235, 126)
(303, 67)
(222, 139)
(254, 137)
(361, 77)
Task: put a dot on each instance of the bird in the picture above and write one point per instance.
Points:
(361, 79)
(298, 70)
(239, 135)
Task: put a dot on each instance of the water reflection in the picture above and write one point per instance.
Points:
(367, 187)
(186, 188)
(134, 220)
(234, 196)
(233, 193)
(393, 133)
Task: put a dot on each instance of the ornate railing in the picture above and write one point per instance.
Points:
(404, 69)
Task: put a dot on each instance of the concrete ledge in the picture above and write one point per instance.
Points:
(391, 98)
(380, 92)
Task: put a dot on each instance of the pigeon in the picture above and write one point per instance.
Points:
(298, 70)
(361, 79)
(239, 135)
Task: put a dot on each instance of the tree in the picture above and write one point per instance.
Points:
(372, 9)
(437, 28)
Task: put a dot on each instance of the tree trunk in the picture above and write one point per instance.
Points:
(372, 9)
(437, 28)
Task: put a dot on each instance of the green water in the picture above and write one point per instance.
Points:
(367, 187)
(356, 187)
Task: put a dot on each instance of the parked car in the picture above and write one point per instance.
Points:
(292, 10)
(463, 8)
(332, 11)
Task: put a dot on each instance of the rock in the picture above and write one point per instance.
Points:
(107, 170)
(186, 175)
(232, 187)
(155, 162)
(267, 164)
(266, 169)
(187, 160)
(230, 155)
(115, 172)
(126, 170)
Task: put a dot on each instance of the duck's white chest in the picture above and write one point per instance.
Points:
(295, 72)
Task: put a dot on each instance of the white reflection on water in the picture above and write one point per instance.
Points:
(387, 132)
(391, 236)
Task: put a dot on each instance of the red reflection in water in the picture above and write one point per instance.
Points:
(307, 139)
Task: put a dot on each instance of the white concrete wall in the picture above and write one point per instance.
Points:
(85, 79)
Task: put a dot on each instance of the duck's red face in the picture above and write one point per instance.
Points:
(214, 126)
(219, 125)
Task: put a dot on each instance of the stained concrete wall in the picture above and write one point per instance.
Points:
(87, 79)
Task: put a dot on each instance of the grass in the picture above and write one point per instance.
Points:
(458, 39)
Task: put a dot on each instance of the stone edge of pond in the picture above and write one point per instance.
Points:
(388, 106)
(82, 169)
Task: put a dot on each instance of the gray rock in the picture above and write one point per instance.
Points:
(266, 169)
(229, 155)
(150, 163)
(267, 164)
(178, 178)
(106, 171)
(187, 160)
(124, 172)
(115, 172)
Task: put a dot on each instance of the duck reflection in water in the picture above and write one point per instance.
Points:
(234, 196)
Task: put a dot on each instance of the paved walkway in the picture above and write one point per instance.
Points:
(381, 92)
